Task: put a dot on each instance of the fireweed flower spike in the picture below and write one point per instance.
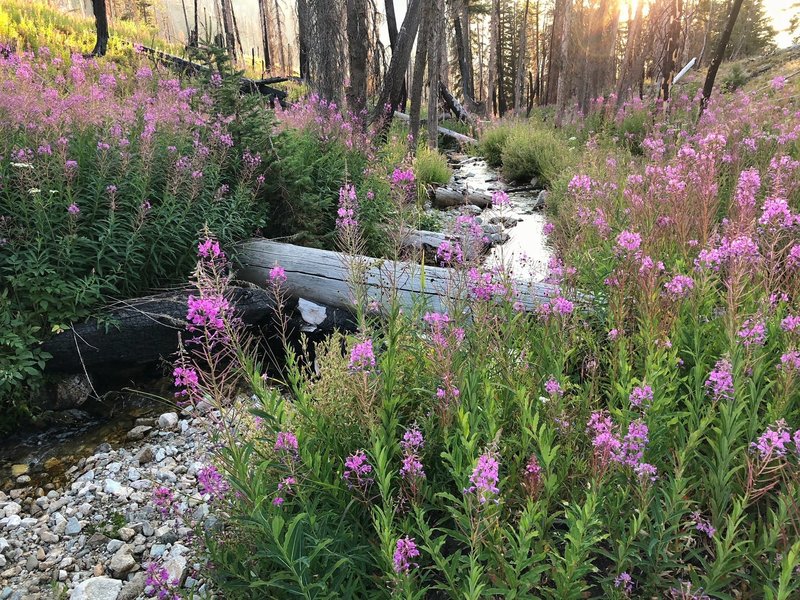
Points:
(212, 483)
(405, 551)
(484, 479)
(720, 381)
(362, 357)
(357, 471)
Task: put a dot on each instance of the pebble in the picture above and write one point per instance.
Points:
(139, 432)
(97, 588)
(73, 527)
(168, 421)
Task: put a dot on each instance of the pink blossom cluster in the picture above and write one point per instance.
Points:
(405, 552)
(362, 357)
(775, 441)
(444, 333)
(357, 471)
(484, 479)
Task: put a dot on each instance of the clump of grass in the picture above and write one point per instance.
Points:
(534, 152)
(492, 144)
(431, 167)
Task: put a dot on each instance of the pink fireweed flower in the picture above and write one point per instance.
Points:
(348, 208)
(164, 500)
(449, 253)
(629, 241)
(776, 213)
(778, 83)
(702, 525)
(613, 334)
(484, 479)
(412, 467)
(772, 443)
(633, 444)
(793, 259)
(405, 550)
(362, 357)
(753, 333)
(402, 177)
(532, 476)
(641, 396)
(679, 286)
(286, 441)
(720, 381)
(277, 274)
(73, 209)
(646, 472)
(790, 361)
(443, 330)
(747, 188)
(208, 312)
(210, 249)
(357, 471)
(500, 199)
(212, 483)
(605, 442)
(158, 583)
(790, 323)
(412, 440)
(548, 229)
(187, 379)
(553, 387)
(624, 582)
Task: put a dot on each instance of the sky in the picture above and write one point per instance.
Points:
(780, 12)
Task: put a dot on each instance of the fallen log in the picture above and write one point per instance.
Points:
(453, 105)
(140, 331)
(323, 277)
(443, 197)
(459, 137)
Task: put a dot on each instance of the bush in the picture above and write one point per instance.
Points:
(534, 152)
(431, 167)
(492, 143)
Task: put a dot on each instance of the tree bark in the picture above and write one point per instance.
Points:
(357, 54)
(719, 54)
(555, 60)
(392, 88)
(494, 34)
(101, 25)
(671, 53)
(303, 35)
(417, 81)
(562, 91)
(391, 23)
(264, 15)
(519, 80)
(279, 28)
(228, 29)
(434, 72)
(626, 81)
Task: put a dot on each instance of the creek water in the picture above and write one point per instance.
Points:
(46, 456)
(526, 253)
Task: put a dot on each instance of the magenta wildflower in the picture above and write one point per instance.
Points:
(277, 274)
(772, 443)
(405, 551)
(412, 440)
(362, 357)
(790, 361)
(790, 323)
(187, 380)
(163, 500)
(73, 209)
(641, 395)
(484, 478)
(212, 483)
(553, 387)
(703, 525)
(286, 441)
(633, 444)
(348, 208)
(357, 471)
(158, 583)
(753, 333)
(532, 476)
(720, 380)
(412, 467)
(209, 312)
(629, 241)
(679, 286)
(500, 199)
(624, 582)
(646, 472)
(208, 248)
(449, 253)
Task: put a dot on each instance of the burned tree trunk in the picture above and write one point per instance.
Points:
(519, 79)
(391, 91)
(434, 73)
(391, 23)
(264, 15)
(101, 25)
(719, 54)
(671, 53)
(417, 81)
(562, 92)
(357, 55)
(228, 28)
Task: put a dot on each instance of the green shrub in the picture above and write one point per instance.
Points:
(431, 167)
(492, 143)
(534, 152)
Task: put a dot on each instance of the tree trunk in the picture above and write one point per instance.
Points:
(264, 15)
(417, 80)
(101, 25)
(434, 72)
(391, 23)
(626, 74)
(279, 30)
(563, 89)
(719, 54)
(304, 36)
(392, 88)
(555, 60)
(671, 53)
(228, 28)
(357, 54)
(494, 25)
(519, 80)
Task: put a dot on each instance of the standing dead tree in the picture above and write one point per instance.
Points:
(357, 38)
(101, 24)
(671, 52)
(719, 54)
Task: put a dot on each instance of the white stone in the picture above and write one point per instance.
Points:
(12, 508)
(13, 522)
(168, 420)
(313, 314)
(97, 588)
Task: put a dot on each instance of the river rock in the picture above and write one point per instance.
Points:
(134, 588)
(122, 562)
(139, 432)
(176, 567)
(97, 588)
(145, 455)
(73, 526)
(168, 421)
(72, 391)
(541, 200)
